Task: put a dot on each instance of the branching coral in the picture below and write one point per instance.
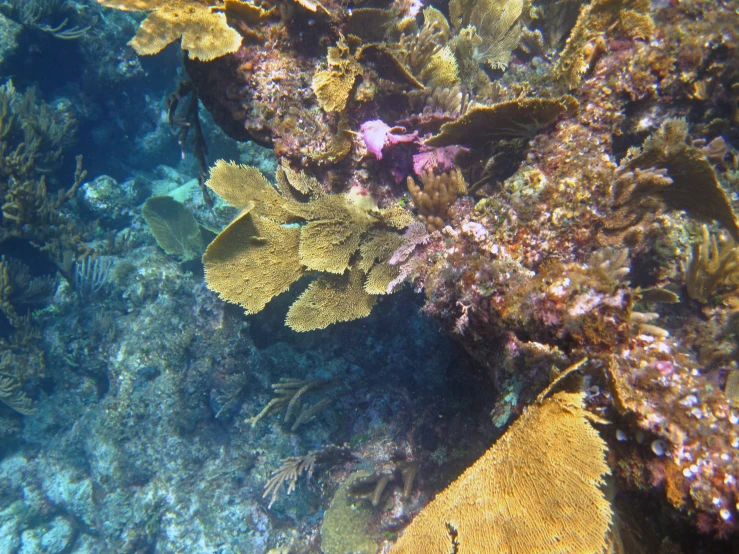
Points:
(290, 396)
(670, 170)
(537, 490)
(632, 207)
(377, 486)
(257, 257)
(39, 14)
(438, 194)
(12, 395)
(204, 31)
(294, 466)
(32, 139)
(712, 266)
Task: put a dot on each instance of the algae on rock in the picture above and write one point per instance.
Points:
(344, 526)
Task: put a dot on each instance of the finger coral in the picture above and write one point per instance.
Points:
(205, 32)
(536, 491)
(436, 197)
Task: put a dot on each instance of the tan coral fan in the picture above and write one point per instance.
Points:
(483, 125)
(252, 261)
(257, 257)
(498, 22)
(205, 33)
(536, 491)
(333, 86)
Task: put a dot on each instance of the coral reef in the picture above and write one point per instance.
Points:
(554, 180)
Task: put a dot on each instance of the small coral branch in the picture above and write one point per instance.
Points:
(290, 396)
(438, 194)
(712, 266)
(294, 466)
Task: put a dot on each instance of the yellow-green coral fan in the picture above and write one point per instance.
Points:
(331, 299)
(536, 491)
(253, 260)
(278, 238)
(205, 33)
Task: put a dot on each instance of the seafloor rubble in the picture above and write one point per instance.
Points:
(558, 178)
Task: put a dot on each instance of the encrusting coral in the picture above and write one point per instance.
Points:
(536, 491)
(205, 32)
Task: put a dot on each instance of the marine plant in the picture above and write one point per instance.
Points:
(174, 227)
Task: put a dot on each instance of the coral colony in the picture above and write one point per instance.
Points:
(379, 276)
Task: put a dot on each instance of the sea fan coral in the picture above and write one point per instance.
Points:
(205, 32)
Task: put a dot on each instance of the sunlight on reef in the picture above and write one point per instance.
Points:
(388, 276)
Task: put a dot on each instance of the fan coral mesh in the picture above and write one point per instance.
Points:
(205, 33)
(536, 491)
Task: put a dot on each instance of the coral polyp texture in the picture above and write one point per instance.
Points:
(536, 491)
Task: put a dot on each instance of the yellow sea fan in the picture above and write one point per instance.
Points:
(331, 299)
(253, 260)
(536, 491)
(333, 86)
(205, 33)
